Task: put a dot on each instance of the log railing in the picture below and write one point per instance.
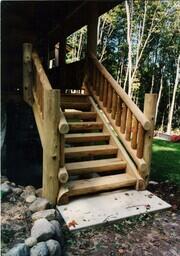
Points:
(50, 121)
(129, 122)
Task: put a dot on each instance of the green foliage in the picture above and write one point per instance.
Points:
(159, 55)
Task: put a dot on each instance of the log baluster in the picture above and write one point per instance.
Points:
(128, 125)
(114, 104)
(123, 118)
(140, 141)
(109, 98)
(119, 111)
(134, 133)
(105, 93)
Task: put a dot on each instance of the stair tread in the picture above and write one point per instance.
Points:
(85, 137)
(81, 115)
(89, 150)
(88, 134)
(75, 126)
(109, 182)
(96, 166)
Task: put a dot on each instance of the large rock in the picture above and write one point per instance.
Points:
(30, 199)
(54, 248)
(39, 204)
(18, 250)
(58, 234)
(40, 249)
(28, 190)
(17, 190)
(39, 192)
(5, 189)
(47, 214)
(42, 230)
(31, 241)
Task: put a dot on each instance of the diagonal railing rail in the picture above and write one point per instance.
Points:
(130, 123)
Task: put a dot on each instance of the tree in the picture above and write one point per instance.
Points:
(169, 125)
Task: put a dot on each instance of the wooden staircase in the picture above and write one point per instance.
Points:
(92, 141)
(93, 155)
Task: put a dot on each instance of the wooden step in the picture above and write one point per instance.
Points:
(93, 185)
(76, 105)
(87, 137)
(90, 151)
(86, 126)
(86, 116)
(112, 164)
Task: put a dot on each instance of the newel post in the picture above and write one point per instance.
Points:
(149, 111)
(51, 147)
(27, 73)
(92, 28)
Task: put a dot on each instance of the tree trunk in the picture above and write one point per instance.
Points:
(169, 125)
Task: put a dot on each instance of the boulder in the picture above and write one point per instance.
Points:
(5, 189)
(31, 241)
(39, 249)
(58, 234)
(54, 248)
(39, 192)
(39, 204)
(18, 250)
(28, 190)
(42, 230)
(30, 199)
(17, 191)
(47, 214)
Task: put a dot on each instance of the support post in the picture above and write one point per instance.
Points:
(149, 111)
(27, 73)
(92, 28)
(51, 149)
(62, 62)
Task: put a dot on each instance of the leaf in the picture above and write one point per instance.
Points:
(72, 223)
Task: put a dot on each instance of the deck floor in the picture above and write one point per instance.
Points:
(109, 207)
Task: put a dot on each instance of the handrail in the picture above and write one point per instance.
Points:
(63, 125)
(40, 70)
(127, 100)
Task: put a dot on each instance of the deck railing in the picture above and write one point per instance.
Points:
(50, 121)
(129, 122)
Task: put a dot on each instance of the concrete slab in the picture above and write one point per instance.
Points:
(107, 207)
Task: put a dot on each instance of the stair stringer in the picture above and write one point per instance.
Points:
(131, 168)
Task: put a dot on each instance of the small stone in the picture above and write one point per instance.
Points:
(39, 204)
(42, 230)
(5, 189)
(31, 241)
(54, 248)
(58, 234)
(30, 199)
(18, 250)
(47, 214)
(40, 249)
(28, 190)
(152, 182)
(13, 184)
(39, 192)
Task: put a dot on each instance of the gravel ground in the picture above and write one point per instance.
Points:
(152, 234)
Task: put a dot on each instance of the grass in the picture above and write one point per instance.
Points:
(165, 161)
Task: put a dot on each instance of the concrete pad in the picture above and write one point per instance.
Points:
(111, 206)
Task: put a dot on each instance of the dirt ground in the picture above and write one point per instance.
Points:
(152, 234)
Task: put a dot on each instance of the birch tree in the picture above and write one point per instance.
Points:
(170, 117)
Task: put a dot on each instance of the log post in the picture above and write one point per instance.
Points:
(27, 73)
(62, 61)
(92, 28)
(149, 111)
(51, 149)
